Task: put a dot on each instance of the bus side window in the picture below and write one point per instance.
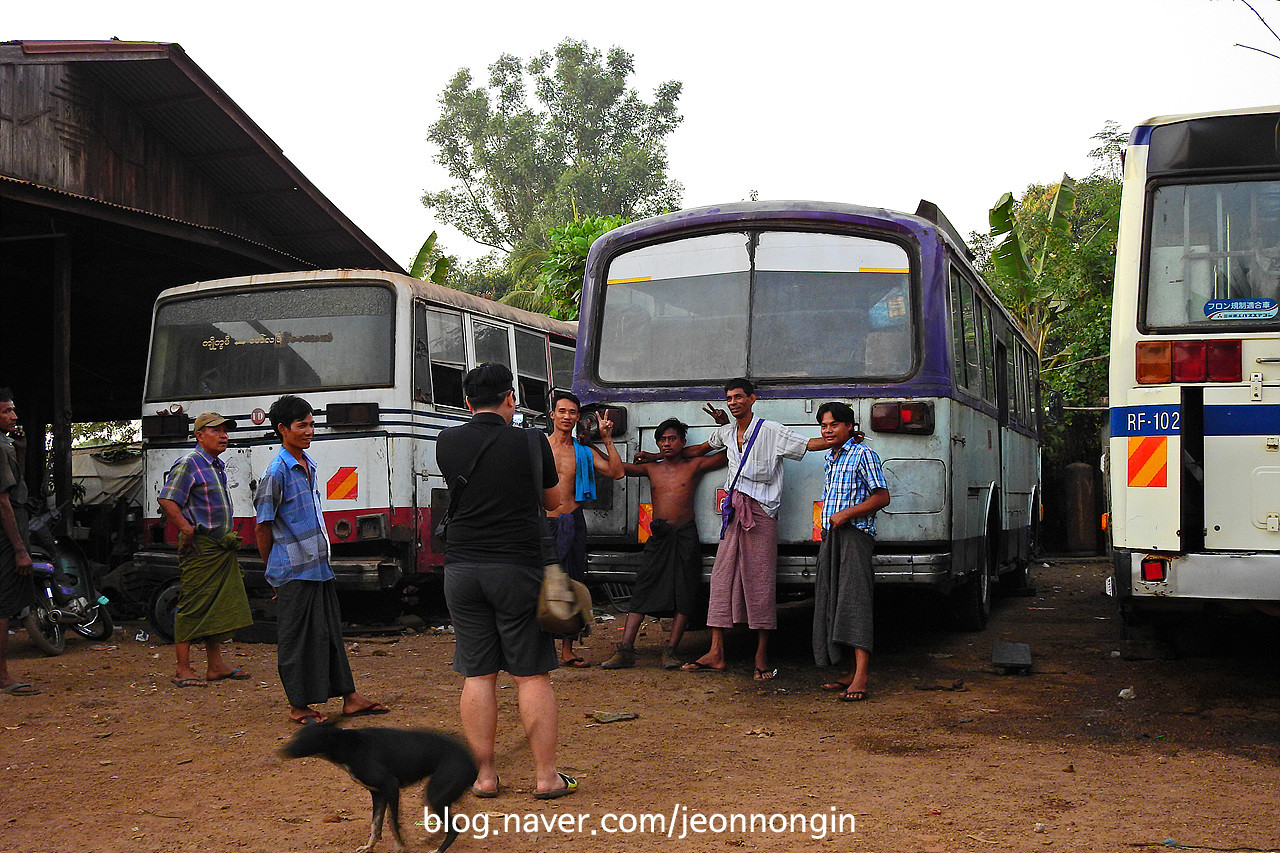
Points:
(448, 358)
(421, 355)
(988, 354)
(531, 369)
(972, 353)
(957, 327)
(561, 367)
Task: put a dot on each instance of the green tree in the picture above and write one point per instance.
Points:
(591, 143)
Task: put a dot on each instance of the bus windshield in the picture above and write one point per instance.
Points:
(272, 341)
(773, 305)
(1215, 255)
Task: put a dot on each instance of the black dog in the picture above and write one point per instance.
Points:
(386, 760)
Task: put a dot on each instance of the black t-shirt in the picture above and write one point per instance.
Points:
(497, 519)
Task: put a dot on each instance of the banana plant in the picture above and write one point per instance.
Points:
(439, 269)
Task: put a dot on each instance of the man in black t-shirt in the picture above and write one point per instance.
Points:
(492, 574)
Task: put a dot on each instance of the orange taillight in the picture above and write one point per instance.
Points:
(1153, 362)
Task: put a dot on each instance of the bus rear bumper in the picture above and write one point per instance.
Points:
(1243, 577)
(799, 571)
(364, 575)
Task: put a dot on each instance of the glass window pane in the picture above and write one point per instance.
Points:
(827, 305)
(444, 333)
(1215, 254)
(676, 312)
(531, 354)
(957, 327)
(988, 354)
(972, 355)
(421, 355)
(561, 367)
(273, 341)
(492, 343)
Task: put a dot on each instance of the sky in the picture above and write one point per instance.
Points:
(879, 104)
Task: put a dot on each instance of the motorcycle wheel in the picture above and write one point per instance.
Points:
(164, 604)
(47, 636)
(101, 628)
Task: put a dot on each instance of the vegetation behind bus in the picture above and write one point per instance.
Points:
(1063, 300)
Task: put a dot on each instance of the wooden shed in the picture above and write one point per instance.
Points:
(124, 170)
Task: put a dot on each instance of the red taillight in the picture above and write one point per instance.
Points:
(915, 417)
(1154, 570)
(1222, 360)
(1187, 361)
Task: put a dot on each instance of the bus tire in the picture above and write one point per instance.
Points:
(969, 606)
(163, 607)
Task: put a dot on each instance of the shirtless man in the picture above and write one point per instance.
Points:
(670, 576)
(576, 463)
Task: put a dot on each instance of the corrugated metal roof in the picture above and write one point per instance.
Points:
(184, 105)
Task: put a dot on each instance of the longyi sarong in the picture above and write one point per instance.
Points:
(312, 658)
(744, 579)
(212, 604)
(842, 594)
(571, 543)
(670, 571)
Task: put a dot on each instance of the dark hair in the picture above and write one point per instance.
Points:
(840, 412)
(6, 396)
(558, 395)
(671, 423)
(487, 385)
(744, 384)
(288, 409)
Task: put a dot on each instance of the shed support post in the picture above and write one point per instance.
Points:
(62, 378)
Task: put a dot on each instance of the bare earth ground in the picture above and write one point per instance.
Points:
(112, 758)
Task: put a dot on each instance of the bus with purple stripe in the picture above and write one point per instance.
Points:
(813, 302)
(1193, 456)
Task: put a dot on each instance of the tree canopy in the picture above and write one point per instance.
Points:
(590, 143)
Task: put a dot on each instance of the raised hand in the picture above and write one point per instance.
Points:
(720, 416)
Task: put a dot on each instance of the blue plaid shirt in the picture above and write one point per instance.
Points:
(851, 472)
(290, 501)
(198, 484)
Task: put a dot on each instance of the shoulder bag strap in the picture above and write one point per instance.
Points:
(745, 452)
(460, 481)
(549, 554)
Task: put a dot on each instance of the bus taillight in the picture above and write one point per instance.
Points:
(1155, 569)
(1187, 361)
(1223, 361)
(912, 417)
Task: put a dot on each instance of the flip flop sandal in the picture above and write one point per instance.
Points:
(766, 674)
(375, 708)
(854, 696)
(487, 795)
(187, 682)
(570, 785)
(575, 663)
(314, 718)
(694, 666)
(835, 685)
(235, 675)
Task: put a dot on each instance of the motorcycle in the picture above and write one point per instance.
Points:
(65, 596)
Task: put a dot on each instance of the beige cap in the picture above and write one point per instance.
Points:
(212, 419)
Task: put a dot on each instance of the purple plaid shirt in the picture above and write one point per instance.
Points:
(198, 484)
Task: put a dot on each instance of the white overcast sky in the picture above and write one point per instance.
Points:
(876, 103)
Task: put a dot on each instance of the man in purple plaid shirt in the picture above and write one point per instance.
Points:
(212, 604)
(854, 489)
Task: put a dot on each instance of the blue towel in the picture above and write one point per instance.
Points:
(584, 478)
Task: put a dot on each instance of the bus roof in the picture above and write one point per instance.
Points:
(1141, 132)
(424, 289)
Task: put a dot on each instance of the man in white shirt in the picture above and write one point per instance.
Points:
(744, 578)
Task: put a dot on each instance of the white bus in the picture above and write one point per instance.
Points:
(1194, 448)
(817, 301)
(380, 357)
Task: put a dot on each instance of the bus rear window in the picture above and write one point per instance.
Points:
(1215, 255)
(272, 342)
(773, 305)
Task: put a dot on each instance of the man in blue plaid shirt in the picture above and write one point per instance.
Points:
(854, 489)
(291, 539)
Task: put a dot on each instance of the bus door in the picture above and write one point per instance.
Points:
(1241, 471)
(1006, 453)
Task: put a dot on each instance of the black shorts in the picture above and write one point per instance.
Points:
(494, 608)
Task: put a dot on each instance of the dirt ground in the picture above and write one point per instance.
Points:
(948, 754)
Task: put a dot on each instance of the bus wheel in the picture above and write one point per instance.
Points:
(970, 603)
(163, 607)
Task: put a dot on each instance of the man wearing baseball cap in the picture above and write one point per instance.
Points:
(213, 604)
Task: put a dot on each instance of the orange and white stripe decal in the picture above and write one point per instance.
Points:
(1149, 461)
(344, 485)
